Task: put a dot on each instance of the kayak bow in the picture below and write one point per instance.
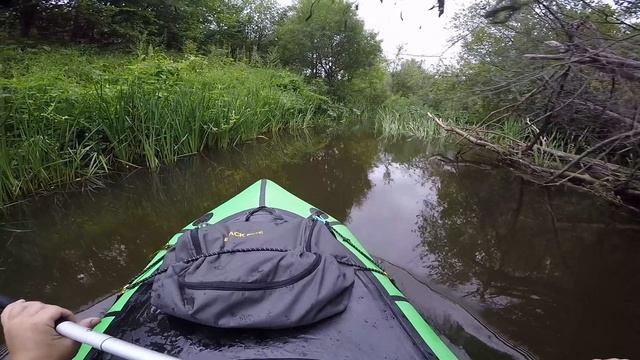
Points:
(379, 322)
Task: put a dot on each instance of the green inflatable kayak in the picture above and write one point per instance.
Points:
(267, 276)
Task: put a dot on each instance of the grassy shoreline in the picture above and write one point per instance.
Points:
(554, 161)
(414, 121)
(69, 115)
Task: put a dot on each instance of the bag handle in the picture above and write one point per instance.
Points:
(263, 208)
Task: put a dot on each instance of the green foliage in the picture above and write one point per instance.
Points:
(326, 40)
(244, 26)
(492, 71)
(442, 90)
(68, 115)
(239, 24)
(367, 89)
(411, 80)
(497, 93)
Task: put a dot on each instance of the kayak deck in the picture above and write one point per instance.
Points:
(378, 323)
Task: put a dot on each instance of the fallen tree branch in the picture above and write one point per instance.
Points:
(611, 114)
(464, 135)
(604, 179)
(592, 149)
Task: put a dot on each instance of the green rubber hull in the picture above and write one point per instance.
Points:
(270, 194)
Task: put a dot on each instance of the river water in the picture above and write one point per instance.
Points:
(501, 267)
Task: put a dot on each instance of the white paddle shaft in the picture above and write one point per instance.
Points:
(108, 344)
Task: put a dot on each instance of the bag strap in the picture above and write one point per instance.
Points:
(271, 211)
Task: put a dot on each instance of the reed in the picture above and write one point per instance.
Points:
(405, 121)
(401, 120)
(74, 115)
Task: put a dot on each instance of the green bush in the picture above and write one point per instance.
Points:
(367, 90)
(68, 115)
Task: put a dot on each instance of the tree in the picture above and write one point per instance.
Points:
(259, 20)
(368, 88)
(561, 77)
(22, 12)
(326, 40)
(410, 79)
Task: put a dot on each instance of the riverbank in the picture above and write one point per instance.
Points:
(555, 161)
(73, 115)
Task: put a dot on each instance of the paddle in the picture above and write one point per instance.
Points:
(100, 341)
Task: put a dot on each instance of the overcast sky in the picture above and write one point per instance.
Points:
(429, 42)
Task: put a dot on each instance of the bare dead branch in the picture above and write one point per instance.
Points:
(591, 106)
(594, 174)
(591, 150)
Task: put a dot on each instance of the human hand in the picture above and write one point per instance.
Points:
(29, 331)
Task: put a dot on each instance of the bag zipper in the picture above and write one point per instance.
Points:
(252, 286)
(307, 244)
(195, 241)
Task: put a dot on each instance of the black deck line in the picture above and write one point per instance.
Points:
(405, 324)
(263, 192)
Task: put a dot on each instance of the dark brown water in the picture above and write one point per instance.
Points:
(498, 265)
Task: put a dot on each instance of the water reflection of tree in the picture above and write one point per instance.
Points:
(335, 178)
(543, 263)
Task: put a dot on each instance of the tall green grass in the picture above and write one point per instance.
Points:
(69, 115)
(399, 118)
(408, 122)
